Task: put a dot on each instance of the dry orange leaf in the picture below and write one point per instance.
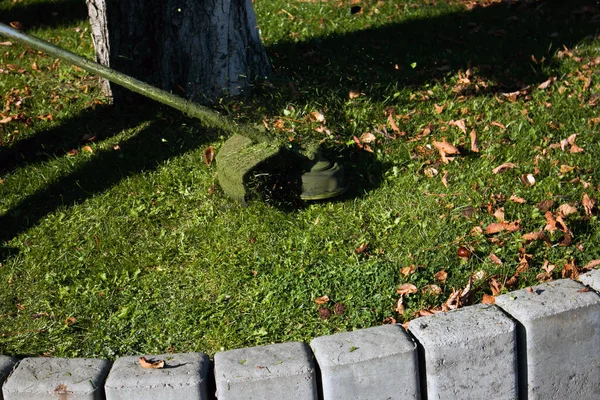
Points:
(545, 84)
(152, 364)
(360, 249)
(495, 286)
(406, 288)
(565, 210)
(565, 169)
(367, 137)
(487, 299)
(445, 178)
(503, 167)
(570, 270)
(498, 124)
(17, 25)
(400, 306)
(317, 116)
(70, 321)
(460, 124)
(441, 276)
(431, 289)
(72, 152)
(532, 236)
(495, 259)
(588, 204)
(88, 149)
(353, 94)
(408, 270)
(439, 109)
(516, 199)
(496, 227)
(393, 123)
(474, 146)
(592, 264)
(209, 155)
(528, 179)
(322, 300)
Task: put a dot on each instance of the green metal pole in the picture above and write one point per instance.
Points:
(206, 115)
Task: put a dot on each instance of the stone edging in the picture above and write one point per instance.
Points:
(543, 343)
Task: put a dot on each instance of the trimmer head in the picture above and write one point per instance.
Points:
(240, 155)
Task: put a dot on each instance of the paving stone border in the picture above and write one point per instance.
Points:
(538, 343)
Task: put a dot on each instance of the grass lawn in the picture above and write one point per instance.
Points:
(115, 238)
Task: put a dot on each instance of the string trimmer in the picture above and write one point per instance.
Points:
(247, 148)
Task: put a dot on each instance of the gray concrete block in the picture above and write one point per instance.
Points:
(278, 372)
(375, 363)
(559, 340)
(469, 353)
(591, 278)
(6, 366)
(57, 378)
(184, 376)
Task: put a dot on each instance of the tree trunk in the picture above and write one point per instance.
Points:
(200, 49)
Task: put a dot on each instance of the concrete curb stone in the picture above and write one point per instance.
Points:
(6, 365)
(591, 279)
(558, 339)
(373, 363)
(51, 378)
(278, 371)
(469, 353)
(184, 376)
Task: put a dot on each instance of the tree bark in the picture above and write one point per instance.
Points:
(200, 49)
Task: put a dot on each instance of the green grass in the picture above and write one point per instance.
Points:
(128, 249)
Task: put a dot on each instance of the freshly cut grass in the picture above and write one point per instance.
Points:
(115, 238)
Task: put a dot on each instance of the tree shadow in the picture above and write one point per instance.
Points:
(143, 152)
(497, 42)
(92, 124)
(45, 14)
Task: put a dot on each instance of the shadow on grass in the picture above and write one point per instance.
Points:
(98, 122)
(45, 15)
(143, 152)
(496, 41)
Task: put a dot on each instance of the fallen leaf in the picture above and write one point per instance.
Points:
(445, 147)
(88, 149)
(392, 123)
(367, 137)
(583, 290)
(460, 124)
(496, 227)
(431, 289)
(495, 287)
(528, 179)
(592, 264)
(445, 178)
(360, 249)
(575, 149)
(487, 299)
(408, 270)
(6, 120)
(72, 152)
(565, 169)
(5, 43)
(317, 116)
(389, 321)
(439, 109)
(565, 210)
(208, 155)
(353, 94)
(322, 300)
(152, 364)
(70, 321)
(430, 172)
(499, 214)
(545, 84)
(545, 205)
(530, 290)
(533, 236)
(570, 271)
(495, 259)
(498, 124)
(116, 147)
(406, 288)
(441, 276)
(17, 25)
(511, 282)
(474, 146)
(503, 167)
(588, 204)
(400, 306)
(516, 199)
